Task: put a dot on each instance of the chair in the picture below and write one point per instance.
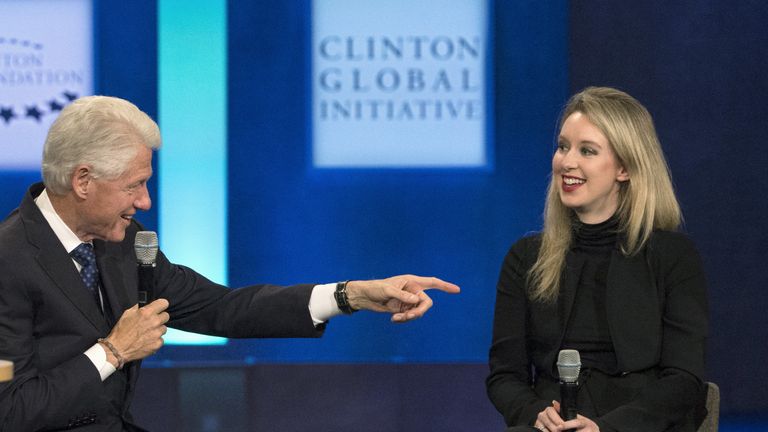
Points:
(710, 423)
(6, 370)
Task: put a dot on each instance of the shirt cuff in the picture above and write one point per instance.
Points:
(322, 303)
(98, 357)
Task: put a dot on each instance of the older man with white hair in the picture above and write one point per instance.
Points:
(69, 288)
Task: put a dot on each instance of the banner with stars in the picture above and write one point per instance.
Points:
(45, 63)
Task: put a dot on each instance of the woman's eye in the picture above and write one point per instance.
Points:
(586, 151)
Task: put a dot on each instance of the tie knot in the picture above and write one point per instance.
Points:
(84, 255)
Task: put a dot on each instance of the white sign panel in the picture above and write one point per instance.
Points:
(399, 83)
(45, 63)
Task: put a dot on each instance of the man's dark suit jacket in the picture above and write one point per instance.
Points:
(657, 314)
(48, 320)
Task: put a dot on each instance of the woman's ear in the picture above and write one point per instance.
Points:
(622, 175)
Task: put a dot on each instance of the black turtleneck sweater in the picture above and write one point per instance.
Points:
(587, 330)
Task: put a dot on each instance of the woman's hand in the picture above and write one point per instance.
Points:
(550, 420)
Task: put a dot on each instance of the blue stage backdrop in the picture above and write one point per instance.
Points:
(699, 67)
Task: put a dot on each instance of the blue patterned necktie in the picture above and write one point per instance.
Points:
(84, 256)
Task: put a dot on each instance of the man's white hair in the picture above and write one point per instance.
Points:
(100, 131)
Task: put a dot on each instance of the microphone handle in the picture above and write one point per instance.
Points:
(146, 284)
(568, 401)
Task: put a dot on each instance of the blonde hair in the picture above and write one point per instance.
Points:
(646, 201)
(100, 131)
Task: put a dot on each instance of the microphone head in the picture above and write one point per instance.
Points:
(145, 247)
(569, 365)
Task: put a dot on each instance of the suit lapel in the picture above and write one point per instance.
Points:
(58, 265)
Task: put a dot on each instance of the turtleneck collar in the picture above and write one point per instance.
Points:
(603, 234)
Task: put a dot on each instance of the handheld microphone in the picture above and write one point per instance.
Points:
(145, 247)
(568, 367)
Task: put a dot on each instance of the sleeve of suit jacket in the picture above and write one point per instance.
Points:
(509, 383)
(201, 306)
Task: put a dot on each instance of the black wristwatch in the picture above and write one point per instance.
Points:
(342, 300)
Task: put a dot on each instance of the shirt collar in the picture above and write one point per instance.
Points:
(65, 235)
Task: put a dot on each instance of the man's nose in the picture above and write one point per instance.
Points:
(143, 201)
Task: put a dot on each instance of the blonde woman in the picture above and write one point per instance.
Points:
(609, 276)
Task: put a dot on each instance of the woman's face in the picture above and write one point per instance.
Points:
(586, 171)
